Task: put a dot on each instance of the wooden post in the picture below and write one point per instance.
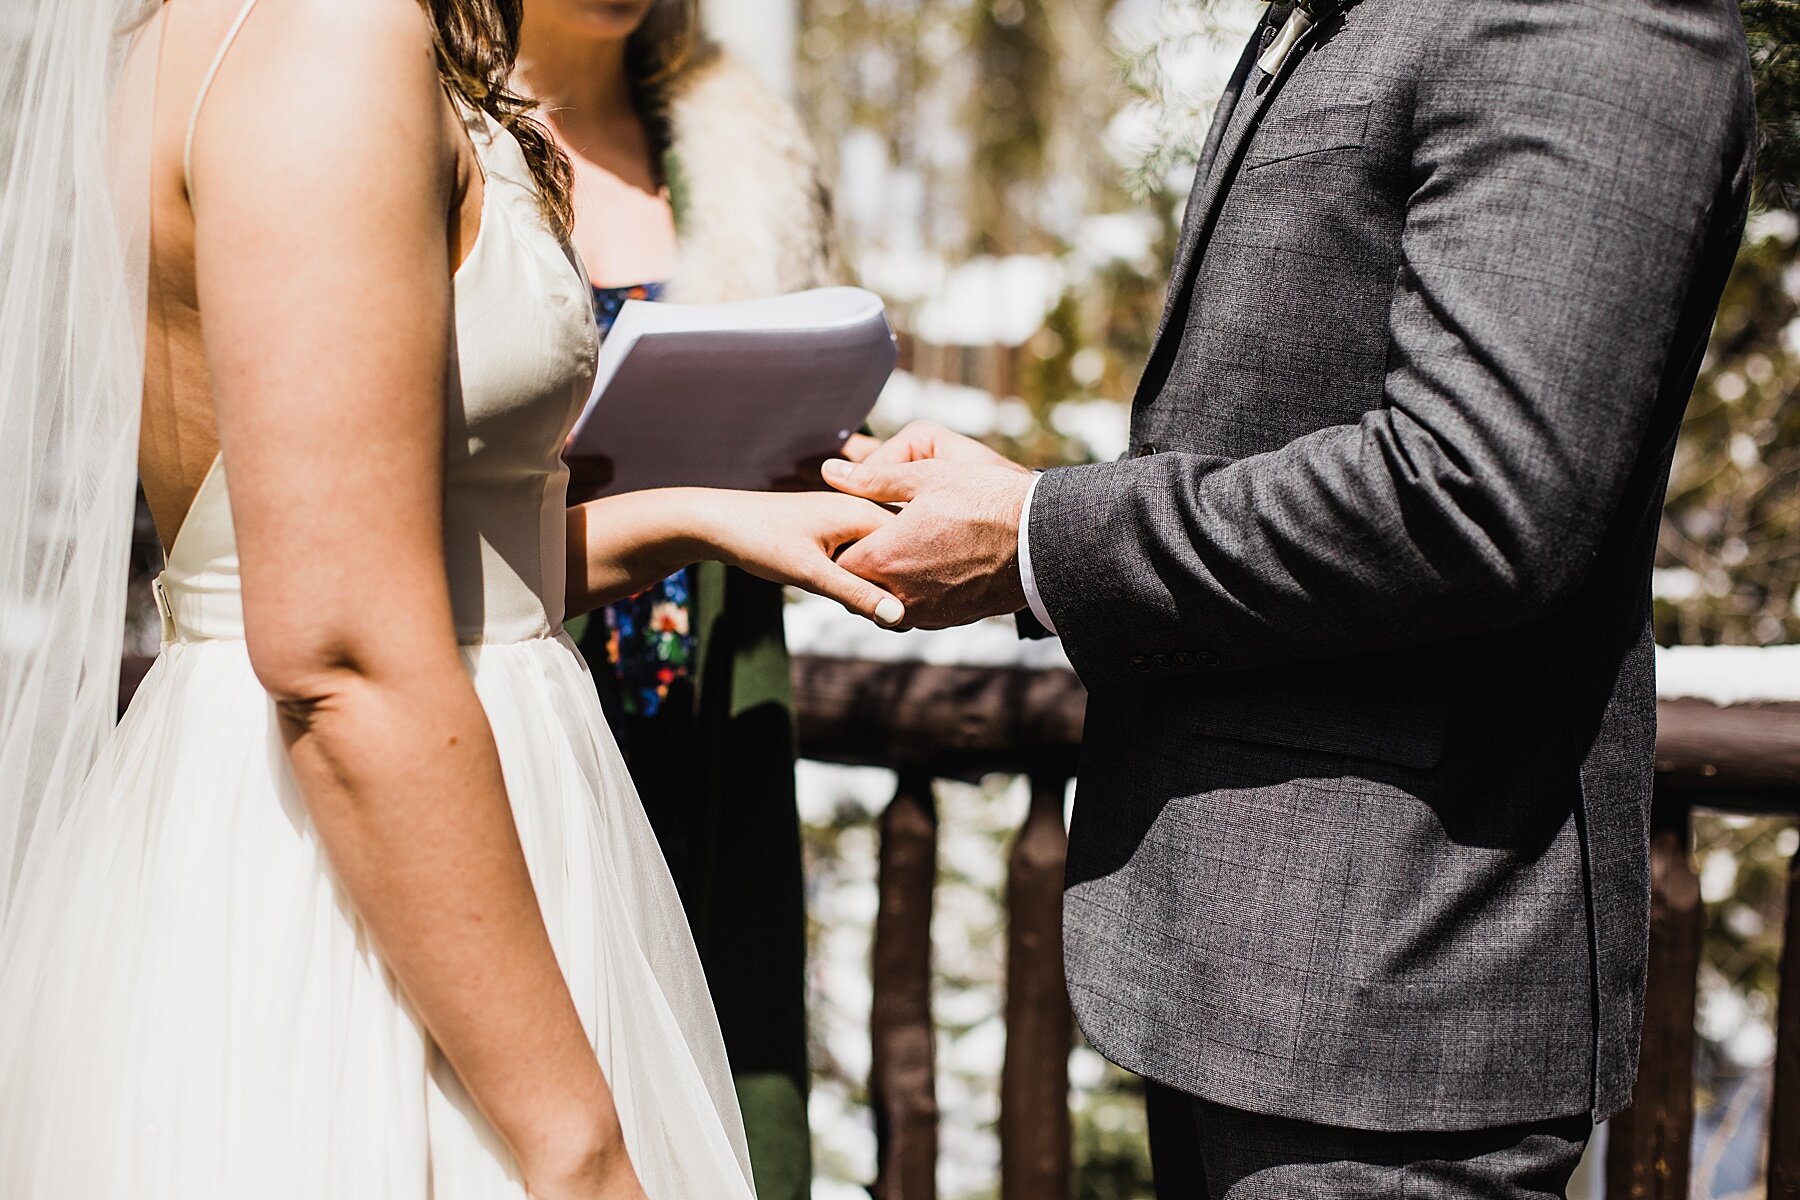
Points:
(1650, 1143)
(1784, 1109)
(902, 1086)
(1001, 377)
(1035, 1155)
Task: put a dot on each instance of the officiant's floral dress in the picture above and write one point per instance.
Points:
(650, 640)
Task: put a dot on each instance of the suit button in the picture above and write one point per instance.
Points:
(1164, 662)
(1183, 659)
(1146, 450)
(1207, 658)
(1140, 663)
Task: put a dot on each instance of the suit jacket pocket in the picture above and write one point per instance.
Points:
(1361, 710)
(1309, 131)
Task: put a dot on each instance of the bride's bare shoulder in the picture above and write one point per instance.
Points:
(385, 27)
(346, 86)
(383, 50)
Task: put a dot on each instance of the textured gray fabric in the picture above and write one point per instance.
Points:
(1228, 1154)
(1361, 831)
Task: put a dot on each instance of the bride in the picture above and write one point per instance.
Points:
(357, 901)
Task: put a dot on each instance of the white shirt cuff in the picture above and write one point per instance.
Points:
(1035, 601)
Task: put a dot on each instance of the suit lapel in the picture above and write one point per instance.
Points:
(1225, 144)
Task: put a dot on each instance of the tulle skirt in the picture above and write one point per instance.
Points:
(190, 1009)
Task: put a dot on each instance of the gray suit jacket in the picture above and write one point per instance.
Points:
(1361, 830)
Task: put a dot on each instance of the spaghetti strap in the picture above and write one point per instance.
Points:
(206, 82)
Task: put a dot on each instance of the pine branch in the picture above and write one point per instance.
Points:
(1773, 29)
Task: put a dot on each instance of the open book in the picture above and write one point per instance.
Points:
(742, 395)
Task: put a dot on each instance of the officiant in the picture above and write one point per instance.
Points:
(696, 183)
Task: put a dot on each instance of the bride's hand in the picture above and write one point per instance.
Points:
(795, 537)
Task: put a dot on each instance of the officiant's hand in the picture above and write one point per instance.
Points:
(951, 553)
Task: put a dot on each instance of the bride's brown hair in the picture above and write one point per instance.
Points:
(477, 43)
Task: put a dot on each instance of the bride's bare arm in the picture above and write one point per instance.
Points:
(325, 173)
(622, 544)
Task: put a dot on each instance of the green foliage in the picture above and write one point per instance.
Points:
(1112, 1153)
(1773, 28)
(1730, 542)
(1180, 120)
(1011, 110)
(1743, 865)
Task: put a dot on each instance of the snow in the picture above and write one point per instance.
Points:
(1773, 223)
(1737, 1022)
(991, 301)
(1728, 674)
(1677, 585)
(821, 627)
(967, 410)
(1103, 426)
(1722, 674)
(1120, 237)
(903, 277)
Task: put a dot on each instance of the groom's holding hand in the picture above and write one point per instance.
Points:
(1358, 868)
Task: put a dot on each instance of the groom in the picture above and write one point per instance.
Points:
(1357, 874)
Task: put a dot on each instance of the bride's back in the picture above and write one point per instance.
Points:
(482, 367)
(212, 53)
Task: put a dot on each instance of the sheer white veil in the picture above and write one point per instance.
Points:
(76, 104)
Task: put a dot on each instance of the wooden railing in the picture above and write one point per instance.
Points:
(1744, 759)
(930, 722)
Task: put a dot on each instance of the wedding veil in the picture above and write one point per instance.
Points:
(76, 102)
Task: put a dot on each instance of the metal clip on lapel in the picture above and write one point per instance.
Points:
(1275, 57)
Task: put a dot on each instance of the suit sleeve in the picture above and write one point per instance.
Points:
(1566, 166)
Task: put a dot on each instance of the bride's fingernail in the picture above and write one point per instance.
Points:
(889, 611)
(835, 468)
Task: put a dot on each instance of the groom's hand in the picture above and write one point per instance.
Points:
(952, 553)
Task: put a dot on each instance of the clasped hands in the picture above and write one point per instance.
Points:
(921, 531)
(950, 550)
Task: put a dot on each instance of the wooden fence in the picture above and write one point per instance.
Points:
(930, 722)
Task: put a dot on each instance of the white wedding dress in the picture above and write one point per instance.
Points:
(189, 1007)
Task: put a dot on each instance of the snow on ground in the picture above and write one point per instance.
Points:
(1728, 674)
(1721, 674)
(821, 627)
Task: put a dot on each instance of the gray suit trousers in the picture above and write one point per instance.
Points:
(1207, 1151)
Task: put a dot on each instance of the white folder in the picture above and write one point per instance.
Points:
(740, 395)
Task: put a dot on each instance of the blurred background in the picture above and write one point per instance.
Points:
(1009, 175)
